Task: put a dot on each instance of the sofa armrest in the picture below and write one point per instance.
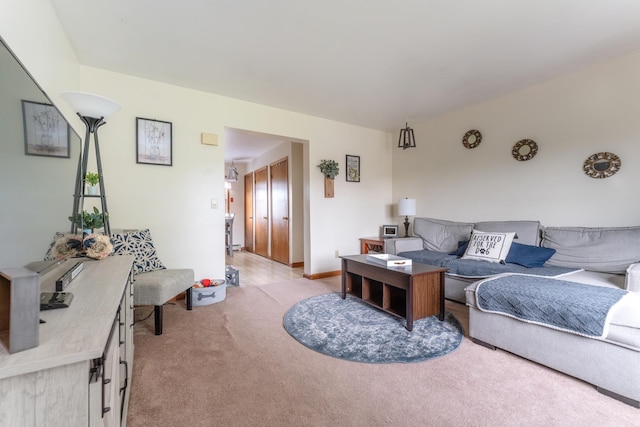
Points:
(403, 244)
(632, 278)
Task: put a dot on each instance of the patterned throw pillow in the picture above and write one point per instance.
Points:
(492, 247)
(139, 244)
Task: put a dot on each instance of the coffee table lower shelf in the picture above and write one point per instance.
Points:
(411, 293)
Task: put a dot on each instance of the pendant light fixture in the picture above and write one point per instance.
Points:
(407, 138)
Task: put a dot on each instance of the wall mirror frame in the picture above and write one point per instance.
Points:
(525, 149)
(602, 165)
(472, 139)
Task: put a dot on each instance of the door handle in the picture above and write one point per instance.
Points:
(265, 217)
(285, 218)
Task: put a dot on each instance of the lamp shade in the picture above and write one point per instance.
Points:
(407, 207)
(90, 105)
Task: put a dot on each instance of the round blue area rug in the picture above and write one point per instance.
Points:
(353, 330)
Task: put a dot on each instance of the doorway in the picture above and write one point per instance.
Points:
(258, 156)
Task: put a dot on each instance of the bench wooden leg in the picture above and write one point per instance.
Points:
(188, 297)
(158, 319)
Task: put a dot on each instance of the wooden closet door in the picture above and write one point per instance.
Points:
(261, 217)
(248, 212)
(280, 211)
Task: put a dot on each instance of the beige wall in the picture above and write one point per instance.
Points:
(570, 117)
(175, 202)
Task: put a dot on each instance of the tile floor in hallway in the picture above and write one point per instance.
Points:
(258, 270)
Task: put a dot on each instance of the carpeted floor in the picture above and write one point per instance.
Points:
(233, 364)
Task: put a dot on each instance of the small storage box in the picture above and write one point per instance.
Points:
(388, 260)
(210, 295)
(232, 275)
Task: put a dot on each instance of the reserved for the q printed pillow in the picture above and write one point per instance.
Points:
(483, 243)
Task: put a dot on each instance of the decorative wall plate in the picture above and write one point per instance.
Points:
(525, 149)
(472, 139)
(602, 165)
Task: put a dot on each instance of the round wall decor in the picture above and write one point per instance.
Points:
(525, 149)
(602, 165)
(472, 139)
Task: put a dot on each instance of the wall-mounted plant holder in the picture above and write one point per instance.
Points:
(328, 187)
(330, 170)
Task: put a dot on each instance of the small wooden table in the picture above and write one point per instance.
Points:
(371, 244)
(412, 292)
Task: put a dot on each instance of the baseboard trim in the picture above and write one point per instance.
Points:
(322, 275)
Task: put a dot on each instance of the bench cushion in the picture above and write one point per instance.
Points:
(159, 286)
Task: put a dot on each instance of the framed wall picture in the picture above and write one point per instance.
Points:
(389, 231)
(353, 168)
(153, 142)
(46, 132)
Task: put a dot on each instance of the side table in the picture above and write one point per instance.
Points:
(371, 244)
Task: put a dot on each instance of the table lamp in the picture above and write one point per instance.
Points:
(406, 207)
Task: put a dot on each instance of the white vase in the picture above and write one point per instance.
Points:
(92, 190)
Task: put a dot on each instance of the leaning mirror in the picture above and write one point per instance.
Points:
(39, 153)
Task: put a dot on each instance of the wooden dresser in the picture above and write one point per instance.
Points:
(79, 374)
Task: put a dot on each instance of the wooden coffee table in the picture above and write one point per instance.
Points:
(411, 292)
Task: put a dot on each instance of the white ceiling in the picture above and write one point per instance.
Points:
(373, 63)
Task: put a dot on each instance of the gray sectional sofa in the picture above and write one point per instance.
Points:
(574, 262)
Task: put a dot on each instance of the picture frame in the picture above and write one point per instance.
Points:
(353, 168)
(388, 231)
(46, 132)
(154, 142)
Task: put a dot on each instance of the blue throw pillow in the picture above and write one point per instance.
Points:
(529, 256)
(462, 248)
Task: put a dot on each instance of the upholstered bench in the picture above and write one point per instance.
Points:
(153, 283)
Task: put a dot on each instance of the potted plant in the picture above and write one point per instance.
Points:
(330, 170)
(89, 221)
(92, 180)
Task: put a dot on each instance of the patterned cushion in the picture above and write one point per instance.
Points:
(492, 247)
(138, 243)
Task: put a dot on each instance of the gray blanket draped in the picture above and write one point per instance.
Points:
(560, 304)
(475, 268)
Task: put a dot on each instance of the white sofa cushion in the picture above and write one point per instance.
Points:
(609, 250)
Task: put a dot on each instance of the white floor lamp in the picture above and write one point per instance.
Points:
(94, 111)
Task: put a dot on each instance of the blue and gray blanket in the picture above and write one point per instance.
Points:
(559, 304)
(479, 269)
